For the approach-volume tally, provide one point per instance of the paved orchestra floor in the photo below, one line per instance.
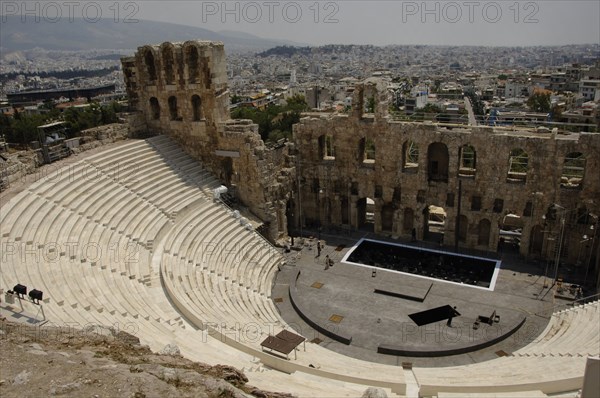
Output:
(343, 299)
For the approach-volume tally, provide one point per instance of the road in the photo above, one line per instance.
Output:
(469, 108)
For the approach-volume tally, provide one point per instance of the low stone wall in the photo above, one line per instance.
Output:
(14, 166)
(101, 135)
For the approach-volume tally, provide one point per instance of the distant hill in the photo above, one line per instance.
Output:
(285, 51)
(106, 34)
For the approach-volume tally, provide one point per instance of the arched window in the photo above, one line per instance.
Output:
(483, 238)
(150, 66)
(154, 108)
(366, 150)
(410, 156)
(518, 164)
(468, 161)
(387, 217)
(196, 108)
(192, 59)
(173, 108)
(409, 220)
(326, 149)
(573, 170)
(437, 162)
(536, 240)
(168, 62)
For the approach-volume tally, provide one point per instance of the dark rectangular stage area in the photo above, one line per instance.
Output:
(472, 271)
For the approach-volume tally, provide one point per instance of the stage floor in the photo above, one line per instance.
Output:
(343, 299)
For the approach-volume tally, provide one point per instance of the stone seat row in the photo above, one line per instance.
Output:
(205, 295)
(505, 374)
(60, 260)
(220, 246)
(199, 280)
(574, 331)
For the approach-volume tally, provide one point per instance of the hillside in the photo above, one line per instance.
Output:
(106, 34)
(102, 362)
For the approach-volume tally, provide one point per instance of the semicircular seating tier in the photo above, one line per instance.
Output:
(130, 238)
(96, 235)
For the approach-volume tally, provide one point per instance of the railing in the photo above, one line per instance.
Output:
(462, 120)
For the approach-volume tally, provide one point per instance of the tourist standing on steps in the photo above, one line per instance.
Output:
(318, 248)
(327, 262)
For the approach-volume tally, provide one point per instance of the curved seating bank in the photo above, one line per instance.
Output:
(131, 238)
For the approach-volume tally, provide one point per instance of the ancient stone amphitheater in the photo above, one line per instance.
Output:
(132, 238)
(157, 257)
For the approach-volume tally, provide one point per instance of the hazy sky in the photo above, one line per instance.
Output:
(461, 22)
(467, 22)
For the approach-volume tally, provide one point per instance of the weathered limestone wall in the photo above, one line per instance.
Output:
(20, 164)
(180, 89)
(336, 162)
(333, 188)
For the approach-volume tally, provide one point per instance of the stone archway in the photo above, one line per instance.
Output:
(387, 217)
(483, 233)
(509, 234)
(434, 223)
(536, 240)
(345, 209)
(437, 162)
(365, 214)
(408, 220)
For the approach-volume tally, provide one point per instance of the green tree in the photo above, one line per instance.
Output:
(274, 122)
(539, 102)
(431, 108)
(24, 128)
(476, 102)
(297, 103)
(370, 108)
(235, 99)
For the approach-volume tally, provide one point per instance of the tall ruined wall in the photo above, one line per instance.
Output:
(180, 89)
(336, 162)
(344, 159)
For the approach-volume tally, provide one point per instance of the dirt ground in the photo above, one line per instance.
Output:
(38, 362)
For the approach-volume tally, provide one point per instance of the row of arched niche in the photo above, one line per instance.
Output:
(194, 68)
(438, 159)
(172, 106)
